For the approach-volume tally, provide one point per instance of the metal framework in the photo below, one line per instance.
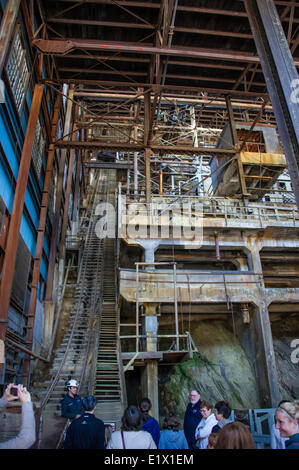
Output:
(155, 84)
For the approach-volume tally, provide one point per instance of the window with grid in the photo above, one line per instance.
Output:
(17, 70)
(38, 148)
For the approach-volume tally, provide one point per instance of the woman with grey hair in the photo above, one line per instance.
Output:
(287, 421)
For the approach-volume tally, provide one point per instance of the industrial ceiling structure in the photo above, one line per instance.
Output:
(181, 98)
(166, 76)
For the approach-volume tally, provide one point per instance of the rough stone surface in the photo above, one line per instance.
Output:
(221, 371)
(284, 332)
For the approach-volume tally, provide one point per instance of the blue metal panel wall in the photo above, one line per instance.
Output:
(9, 166)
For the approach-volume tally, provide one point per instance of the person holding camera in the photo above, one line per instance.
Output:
(27, 434)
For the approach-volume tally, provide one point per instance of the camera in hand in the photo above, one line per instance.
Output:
(14, 391)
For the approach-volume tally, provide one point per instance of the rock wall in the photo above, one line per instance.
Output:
(284, 331)
(221, 371)
(225, 367)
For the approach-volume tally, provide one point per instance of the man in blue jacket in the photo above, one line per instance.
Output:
(192, 418)
(71, 405)
(86, 432)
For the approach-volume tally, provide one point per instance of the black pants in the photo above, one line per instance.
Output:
(192, 445)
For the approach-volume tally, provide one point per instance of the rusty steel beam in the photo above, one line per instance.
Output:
(40, 240)
(117, 58)
(7, 27)
(111, 165)
(117, 24)
(109, 58)
(209, 32)
(25, 350)
(183, 76)
(17, 210)
(276, 58)
(147, 155)
(140, 147)
(185, 87)
(103, 71)
(191, 9)
(64, 46)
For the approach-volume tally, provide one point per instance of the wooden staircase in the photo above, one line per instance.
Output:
(109, 386)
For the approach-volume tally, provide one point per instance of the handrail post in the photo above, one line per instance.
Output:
(137, 307)
(176, 308)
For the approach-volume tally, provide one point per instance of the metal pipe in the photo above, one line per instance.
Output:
(217, 246)
(21, 348)
(176, 308)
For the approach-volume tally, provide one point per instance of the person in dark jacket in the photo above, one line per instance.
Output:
(71, 405)
(192, 418)
(149, 423)
(86, 432)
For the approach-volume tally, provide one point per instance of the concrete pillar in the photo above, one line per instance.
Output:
(149, 383)
(262, 334)
(149, 247)
(265, 358)
(242, 264)
(149, 386)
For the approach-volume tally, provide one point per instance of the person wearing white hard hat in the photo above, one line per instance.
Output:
(71, 405)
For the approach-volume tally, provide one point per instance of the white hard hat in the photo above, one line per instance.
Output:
(72, 383)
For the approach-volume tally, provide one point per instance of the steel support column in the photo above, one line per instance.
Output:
(40, 239)
(150, 373)
(17, 210)
(148, 177)
(48, 323)
(67, 193)
(280, 74)
(7, 27)
(135, 165)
